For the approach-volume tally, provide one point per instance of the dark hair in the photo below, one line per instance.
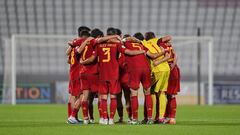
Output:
(83, 28)
(111, 31)
(84, 33)
(96, 33)
(149, 35)
(139, 36)
(118, 32)
(126, 35)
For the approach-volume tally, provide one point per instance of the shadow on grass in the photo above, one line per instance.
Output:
(31, 124)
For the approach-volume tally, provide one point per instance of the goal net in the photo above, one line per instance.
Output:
(38, 59)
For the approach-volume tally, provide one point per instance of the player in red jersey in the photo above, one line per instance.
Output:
(73, 61)
(173, 82)
(107, 51)
(89, 73)
(82, 94)
(123, 79)
(139, 72)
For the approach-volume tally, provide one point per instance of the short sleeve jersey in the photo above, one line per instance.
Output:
(108, 54)
(137, 61)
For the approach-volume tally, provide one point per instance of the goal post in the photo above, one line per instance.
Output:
(42, 57)
(193, 40)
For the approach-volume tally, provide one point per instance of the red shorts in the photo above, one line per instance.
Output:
(174, 81)
(89, 82)
(112, 87)
(124, 80)
(74, 87)
(140, 75)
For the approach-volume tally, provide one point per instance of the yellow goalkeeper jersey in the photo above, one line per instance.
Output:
(153, 47)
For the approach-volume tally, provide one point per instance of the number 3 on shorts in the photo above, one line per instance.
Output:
(106, 52)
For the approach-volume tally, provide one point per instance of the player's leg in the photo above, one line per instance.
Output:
(146, 82)
(172, 109)
(127, 96)
(114, 89)
(161, 88)
(72, 119)
(85, 106)
(100, 109)
(134, 105)
(90, 106)
(120, 107)
(104, 109)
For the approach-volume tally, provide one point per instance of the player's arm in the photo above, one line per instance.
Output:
(88, 60)
(85, 43)
(166, 38)
(131, 39)
(165, 58)
(68, 51)
(155, 55)
(103, 39)
(174, 62)
(133, 52)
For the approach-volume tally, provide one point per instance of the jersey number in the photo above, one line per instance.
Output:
(72, 57)
(135, 45)
(106, 52)
(84, 53)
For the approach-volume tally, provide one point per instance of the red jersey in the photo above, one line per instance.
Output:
(78, 41)
(108, 60)
(171, 51)
(74, 64)
(91, 68)
(137, 61)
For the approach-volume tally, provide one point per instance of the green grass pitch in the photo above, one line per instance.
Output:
(51, 120)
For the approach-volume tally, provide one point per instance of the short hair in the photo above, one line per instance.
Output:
(118, 32)
(126, 35)
(96, 33)
(111, 31)
(139, 36)
(82, 28)
(149, 35)
(84, 33)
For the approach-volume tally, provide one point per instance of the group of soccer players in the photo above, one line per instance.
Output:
(114, 65)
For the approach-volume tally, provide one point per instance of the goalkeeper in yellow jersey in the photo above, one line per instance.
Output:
(160, 71)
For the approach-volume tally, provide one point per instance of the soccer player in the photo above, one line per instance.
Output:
(160, 72)
(107, 51)
(173, 82)
(73, 58)
(82, 93)
(140, 72)
(89, 72)
(124, 79)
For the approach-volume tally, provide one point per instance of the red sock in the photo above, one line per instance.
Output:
(90, 110)
(113, 107)
(149, 105)
(167, 113)
(74, 112)
(129, 111)
(134, 101)
(100, 109)
(69, 109)
(173, 107)
(85, 109)
(104, 108)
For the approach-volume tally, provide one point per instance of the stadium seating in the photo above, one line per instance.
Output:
(219, 19)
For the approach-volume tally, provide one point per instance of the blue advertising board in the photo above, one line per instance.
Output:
(34, 93)
(225, 93)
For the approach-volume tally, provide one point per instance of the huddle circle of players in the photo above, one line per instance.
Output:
(102, 66)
